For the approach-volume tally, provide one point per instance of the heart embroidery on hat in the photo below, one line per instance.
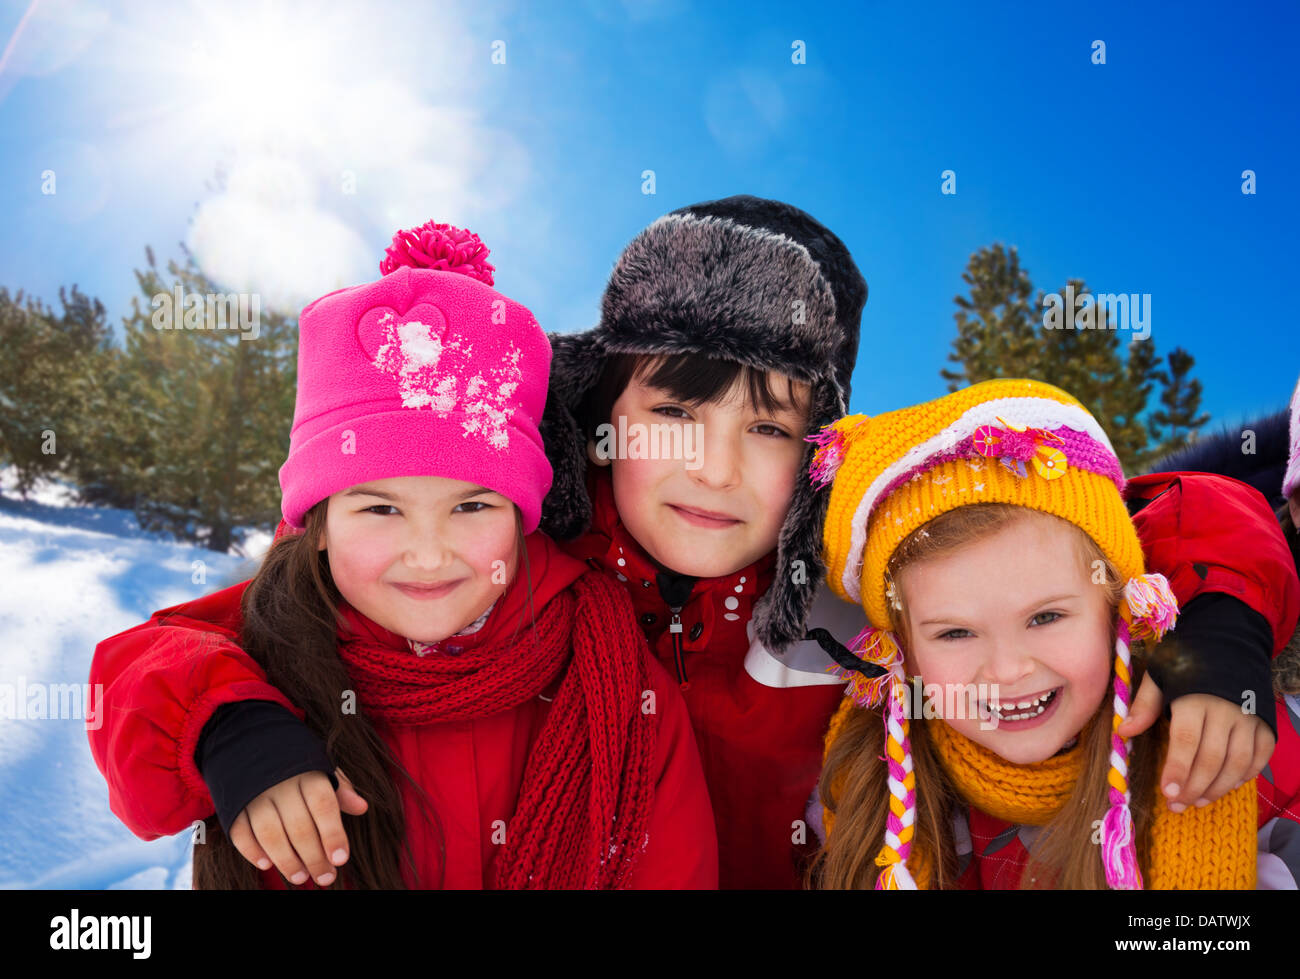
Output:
(433, 370)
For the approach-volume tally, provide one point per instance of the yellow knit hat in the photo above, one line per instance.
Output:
(1021, 442)
(894, 472)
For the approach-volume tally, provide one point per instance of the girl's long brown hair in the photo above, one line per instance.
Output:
(853, 782)
(290, 628)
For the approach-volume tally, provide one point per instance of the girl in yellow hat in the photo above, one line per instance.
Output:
(986, 538)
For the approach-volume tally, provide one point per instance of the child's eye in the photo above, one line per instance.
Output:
(380, 506)
(667, 409)
(952, 634)
(772, 431)
(1054, 617)
(475, 503)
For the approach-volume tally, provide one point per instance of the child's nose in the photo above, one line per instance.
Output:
(1007, 664)
(719, 467)
(428, 551)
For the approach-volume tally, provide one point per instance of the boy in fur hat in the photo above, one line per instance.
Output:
(739, 316)
(737, 319)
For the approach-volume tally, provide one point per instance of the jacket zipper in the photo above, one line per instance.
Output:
(675, 590)
(675, 628)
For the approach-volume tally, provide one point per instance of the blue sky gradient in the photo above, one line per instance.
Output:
(1126, 174)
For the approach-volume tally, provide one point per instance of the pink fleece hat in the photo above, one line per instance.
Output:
(427, 372)
(1291, 482)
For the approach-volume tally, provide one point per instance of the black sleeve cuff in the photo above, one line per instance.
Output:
(1221, 646)
(248, 746)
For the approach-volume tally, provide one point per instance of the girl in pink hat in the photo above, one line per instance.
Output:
(486, 704)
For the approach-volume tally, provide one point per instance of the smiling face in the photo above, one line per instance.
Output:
(1018, 612)
(721, 509)
(421, 556)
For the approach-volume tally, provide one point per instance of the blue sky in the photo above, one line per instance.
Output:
(1126, 174)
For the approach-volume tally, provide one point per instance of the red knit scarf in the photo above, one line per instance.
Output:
(584, 803)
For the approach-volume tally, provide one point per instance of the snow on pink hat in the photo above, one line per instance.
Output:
(427, 372)
(1291, 482)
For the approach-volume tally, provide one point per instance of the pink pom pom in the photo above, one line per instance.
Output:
(442, 247)
(1151, 605)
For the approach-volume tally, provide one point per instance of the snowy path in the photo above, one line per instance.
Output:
(72, 576)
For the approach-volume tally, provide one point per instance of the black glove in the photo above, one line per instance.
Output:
(1221, 646)
(248, 746)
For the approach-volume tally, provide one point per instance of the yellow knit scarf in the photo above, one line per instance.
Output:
(1207, 848)
(1213, 847)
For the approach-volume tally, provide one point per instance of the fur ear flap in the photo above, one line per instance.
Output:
(566, 510)
(577, 360)
(781, 616)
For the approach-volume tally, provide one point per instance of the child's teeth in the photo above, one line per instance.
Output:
(1032, 708)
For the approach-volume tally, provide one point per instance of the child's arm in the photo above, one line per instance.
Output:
(161, 683)
(1218, 543)
(682, 853)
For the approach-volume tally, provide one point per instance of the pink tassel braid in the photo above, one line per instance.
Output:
(880, 647)
(1118, 843)
(1150, 605)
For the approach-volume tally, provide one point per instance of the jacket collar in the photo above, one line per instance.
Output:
(610, 546)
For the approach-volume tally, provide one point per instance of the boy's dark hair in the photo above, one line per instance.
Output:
(691, 380)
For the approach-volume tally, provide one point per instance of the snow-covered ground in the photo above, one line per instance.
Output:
(70, 576)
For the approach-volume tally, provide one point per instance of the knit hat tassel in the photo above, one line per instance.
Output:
(895, 877)
(1149, 611)
(1149, 606)
(900, 824)
(833, 443)
(880, 648)
(1118, 844)
(1118, 849)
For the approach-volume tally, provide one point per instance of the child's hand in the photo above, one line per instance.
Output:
(1213, 746)
(295, 823)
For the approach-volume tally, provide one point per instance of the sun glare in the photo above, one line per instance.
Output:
(268, 74)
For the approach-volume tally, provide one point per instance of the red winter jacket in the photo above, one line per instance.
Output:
(164, 679)
(1209, 533)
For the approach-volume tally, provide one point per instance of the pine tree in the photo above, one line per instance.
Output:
(194, 419)
(1174, 424)
(49, 361)
(995, 329)
(999, 336)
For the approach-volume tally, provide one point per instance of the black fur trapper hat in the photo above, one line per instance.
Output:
(744, 279)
